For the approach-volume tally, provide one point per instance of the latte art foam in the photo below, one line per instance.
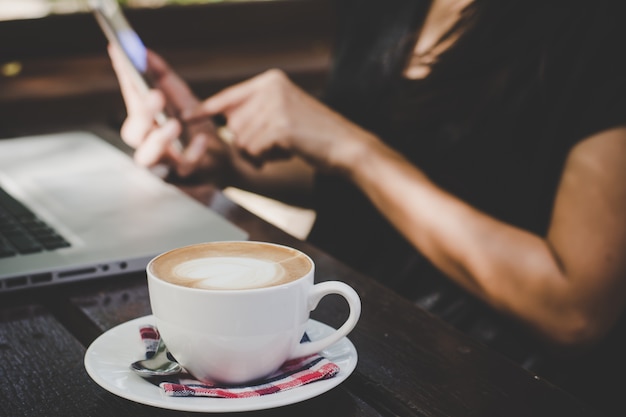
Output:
(231, 265)
(229, 273)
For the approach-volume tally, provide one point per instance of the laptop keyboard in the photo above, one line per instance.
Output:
(22, 232)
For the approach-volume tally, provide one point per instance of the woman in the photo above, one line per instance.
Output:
(469, 155)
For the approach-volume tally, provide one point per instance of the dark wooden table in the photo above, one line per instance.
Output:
(410, 363)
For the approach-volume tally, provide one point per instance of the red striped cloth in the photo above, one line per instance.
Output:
(150, 337)
(292, 374)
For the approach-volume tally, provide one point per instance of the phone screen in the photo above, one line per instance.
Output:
(118, 31)
(134, 48)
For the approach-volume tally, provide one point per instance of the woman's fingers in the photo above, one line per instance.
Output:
(156, 143)
(154, 137)
(193, 154)
(223, 102)
(178, 93)
(140, 122)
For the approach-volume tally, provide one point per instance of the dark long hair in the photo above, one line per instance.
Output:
(554, 38)
(540, 74)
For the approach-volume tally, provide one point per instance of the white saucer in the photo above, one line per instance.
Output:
(108, 358)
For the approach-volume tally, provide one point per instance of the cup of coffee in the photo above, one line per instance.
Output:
(234, 312)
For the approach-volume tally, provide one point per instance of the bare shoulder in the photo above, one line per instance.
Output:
(596, 166)
(588, 227)
(608, 145)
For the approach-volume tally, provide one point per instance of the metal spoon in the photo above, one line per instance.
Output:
(158, 365)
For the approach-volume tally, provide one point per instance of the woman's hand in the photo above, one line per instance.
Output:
(270, 118)
(203, 153)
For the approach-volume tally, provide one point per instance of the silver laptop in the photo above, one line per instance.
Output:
(74, 207)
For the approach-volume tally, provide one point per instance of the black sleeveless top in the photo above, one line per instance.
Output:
(492, 124)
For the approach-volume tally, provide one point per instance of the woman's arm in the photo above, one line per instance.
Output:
(570, 285)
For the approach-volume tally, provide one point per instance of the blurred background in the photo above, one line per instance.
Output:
(55, 73)
(30, 9)
(54, 69)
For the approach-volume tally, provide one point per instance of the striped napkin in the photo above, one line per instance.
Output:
(292, 374)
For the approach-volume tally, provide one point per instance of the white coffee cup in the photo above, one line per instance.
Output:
(234, 312)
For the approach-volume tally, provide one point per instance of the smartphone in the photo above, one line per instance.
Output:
(118, 31)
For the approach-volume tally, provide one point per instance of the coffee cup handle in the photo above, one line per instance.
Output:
(318, 292)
